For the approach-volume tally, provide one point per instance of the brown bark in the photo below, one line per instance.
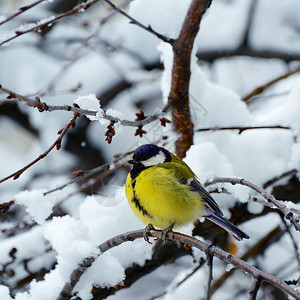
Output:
(179, 93)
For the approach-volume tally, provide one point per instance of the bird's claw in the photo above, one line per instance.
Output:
(165, 232)
(146, 232)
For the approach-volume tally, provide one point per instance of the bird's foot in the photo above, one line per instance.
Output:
(165, 232)
(146, 232)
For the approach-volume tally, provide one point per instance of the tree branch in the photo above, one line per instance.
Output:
(66, 292)
(178, 97)
(242, 128)
(257, 249)
(20, 11)
(136, 22)
(56, 144)
(263, 87)
(255, 288)
(209, 276)
(43, 106)
(270, 198)
(40, 25)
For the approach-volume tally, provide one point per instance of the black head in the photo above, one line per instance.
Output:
(149, 155)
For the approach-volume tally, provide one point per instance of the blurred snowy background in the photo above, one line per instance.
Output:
(241, 45)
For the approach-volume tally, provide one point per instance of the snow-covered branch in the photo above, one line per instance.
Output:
(43, 106)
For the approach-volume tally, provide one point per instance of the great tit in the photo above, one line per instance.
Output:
(164, 192)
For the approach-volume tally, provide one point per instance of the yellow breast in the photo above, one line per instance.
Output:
(156, 197)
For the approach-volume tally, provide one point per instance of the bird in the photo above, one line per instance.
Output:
(164, 192)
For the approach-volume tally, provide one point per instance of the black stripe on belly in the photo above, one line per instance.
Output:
(138, 205)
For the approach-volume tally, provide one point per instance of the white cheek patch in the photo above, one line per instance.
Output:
(154, 160)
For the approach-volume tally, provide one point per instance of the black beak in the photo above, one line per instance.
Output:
(131, 161)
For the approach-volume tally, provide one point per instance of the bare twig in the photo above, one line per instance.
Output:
(201, 263)
(178, 97)
(263, 87)
(80, 7)
(82, 175)
(74, 55)
(212, 55)
(270, 198)
(296, 248)
(136, 22)
(269, 204)
(89, 184)
(20, 11)
(209, 276)
(42, 106)
(258, 248)
(242, 128)
(255, 288)
(277, 178)
(56, 144)
(66, 292)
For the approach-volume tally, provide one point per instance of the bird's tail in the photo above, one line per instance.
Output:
(225, 224)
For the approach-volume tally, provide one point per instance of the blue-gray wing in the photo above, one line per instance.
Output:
(211, 203)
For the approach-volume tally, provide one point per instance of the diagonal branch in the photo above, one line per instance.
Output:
(136, 22)
(178, 97)
(20, 11)
(263, 87)
(56, 144)
(270, 198)
(40, 25)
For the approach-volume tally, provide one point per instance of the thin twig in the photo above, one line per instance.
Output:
(20, 11)
(209, 276)
(256, 249)
(80, 7)
(74, 55)
(242, 128)
(56, 144)
(277, 178)
(82, 175)
(213, 55)
(255, 288)
(296, 248)
(263, 87)
(268, 204)
(89, 184)
(136, 22)
(66, 292)
(270, 198)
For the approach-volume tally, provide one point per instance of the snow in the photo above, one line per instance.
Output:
(117, 54)
(98, 275)
(157, 14)
(217, 28)
(91, 103)
(37, 205)
(4, 293)
(229, 267)
(276, 16)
